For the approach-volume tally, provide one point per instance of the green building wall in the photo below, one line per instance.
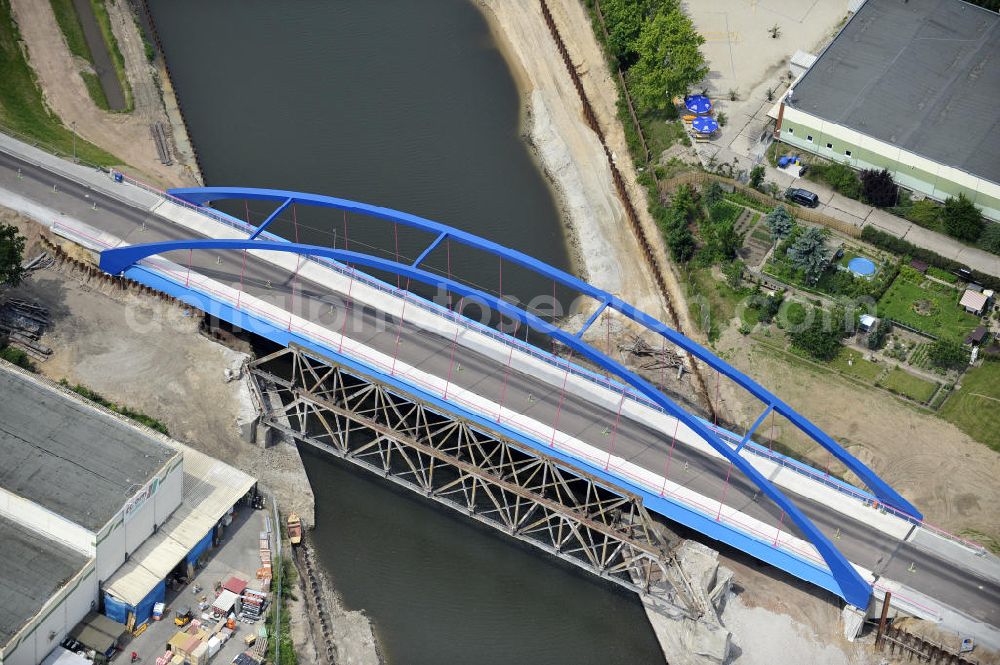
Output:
(797, 134)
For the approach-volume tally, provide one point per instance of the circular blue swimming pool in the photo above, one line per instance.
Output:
(859, 265)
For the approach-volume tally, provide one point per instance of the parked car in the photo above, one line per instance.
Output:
(802, 197)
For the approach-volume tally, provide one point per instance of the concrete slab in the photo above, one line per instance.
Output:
(238, 555)
(737, 44)
(742, 55)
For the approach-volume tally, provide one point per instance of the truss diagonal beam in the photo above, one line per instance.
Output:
(562, 510)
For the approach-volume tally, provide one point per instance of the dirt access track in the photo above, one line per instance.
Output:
(942, 470)
(125, 135)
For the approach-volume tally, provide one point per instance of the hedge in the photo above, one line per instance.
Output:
(891, 243)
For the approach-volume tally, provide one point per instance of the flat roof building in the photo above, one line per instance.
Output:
(91, 500)
(35, 570)
(912, 87)
(75, 461)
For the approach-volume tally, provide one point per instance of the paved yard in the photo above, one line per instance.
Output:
(238, 555)
(744, 57)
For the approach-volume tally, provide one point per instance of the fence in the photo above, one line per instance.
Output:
(652, 258)
(626, 93)
(700, 178)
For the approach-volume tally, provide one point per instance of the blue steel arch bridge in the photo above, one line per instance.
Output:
(631, 481)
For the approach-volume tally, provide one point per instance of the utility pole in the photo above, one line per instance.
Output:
(73, 125)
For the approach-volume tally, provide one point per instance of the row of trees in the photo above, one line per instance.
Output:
(657, 46)
(959, 217)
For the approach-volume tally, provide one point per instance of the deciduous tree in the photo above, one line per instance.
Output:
(820, 336)
(11, 255)
(670, 61)
(878, 188)
(876, 338)
(623, 20)
(962, 219)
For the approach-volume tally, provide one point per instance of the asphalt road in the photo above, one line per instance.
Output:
(923, 570)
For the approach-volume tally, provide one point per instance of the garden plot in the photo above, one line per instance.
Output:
(927, 306)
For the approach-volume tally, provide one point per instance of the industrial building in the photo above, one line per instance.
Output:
(911, 87)
(95, 513)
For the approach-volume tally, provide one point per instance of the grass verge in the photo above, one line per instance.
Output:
(137, 416)
(975, 408)
(992, 543)
(286, 650)
(69, 23)
(21, 106)
(852, 363)
(95, 89)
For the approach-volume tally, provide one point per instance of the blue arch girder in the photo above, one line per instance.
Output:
(878, 487)
(852, 587)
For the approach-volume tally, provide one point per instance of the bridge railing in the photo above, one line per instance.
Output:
(620, 389)
(775, 538)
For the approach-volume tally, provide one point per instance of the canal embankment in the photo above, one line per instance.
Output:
(608, 251)
(131, 138)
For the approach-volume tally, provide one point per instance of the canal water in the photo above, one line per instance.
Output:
(406, 104)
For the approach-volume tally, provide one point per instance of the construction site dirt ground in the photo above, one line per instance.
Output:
(141, 353)
(947, 474)
(148, 356)
(125, 135)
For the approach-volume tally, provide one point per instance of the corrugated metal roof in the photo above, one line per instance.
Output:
(211, 487)
(973, 300)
